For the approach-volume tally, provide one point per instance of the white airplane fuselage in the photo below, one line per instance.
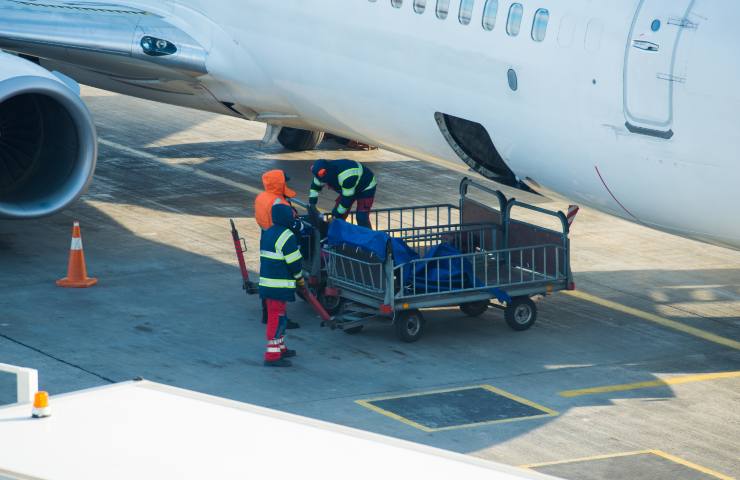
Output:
(610, 110)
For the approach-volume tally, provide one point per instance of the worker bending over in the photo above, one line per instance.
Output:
(353, 182)
(280, 272)
(276, 192)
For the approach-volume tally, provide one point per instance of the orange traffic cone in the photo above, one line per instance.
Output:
(76, 270)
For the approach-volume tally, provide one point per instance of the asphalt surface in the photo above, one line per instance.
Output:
(656, 315)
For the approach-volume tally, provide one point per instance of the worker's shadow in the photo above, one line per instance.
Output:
(170, 315)
(170, 310)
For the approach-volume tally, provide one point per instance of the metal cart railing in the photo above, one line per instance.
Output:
(497, 261)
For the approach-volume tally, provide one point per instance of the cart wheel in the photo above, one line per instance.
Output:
(409, 325)
(354, 330)
(331, 304)
(521, 313)
(475, 309)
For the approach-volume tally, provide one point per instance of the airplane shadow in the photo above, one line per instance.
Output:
(177, 317)
(169, 306)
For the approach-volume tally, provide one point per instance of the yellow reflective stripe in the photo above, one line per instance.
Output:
(282, 239)
(317, 182)
(341, 210)
(271, 255)
(373, 183)
(293, 257)
(350, 172)
(313, 193)
(276, 283)
(298, 275)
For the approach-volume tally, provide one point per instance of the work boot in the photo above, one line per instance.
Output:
(288, 353)
(281, 362)
(292, 325)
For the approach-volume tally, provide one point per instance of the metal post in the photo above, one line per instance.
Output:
(27, 383)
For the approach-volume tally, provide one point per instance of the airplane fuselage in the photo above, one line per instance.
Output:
(629, 107)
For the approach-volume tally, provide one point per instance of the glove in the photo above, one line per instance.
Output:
(300, 283)
(297, 227)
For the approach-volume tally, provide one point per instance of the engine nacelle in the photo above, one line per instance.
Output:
(48, 144)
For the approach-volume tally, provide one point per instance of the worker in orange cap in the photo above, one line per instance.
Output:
(276, 192)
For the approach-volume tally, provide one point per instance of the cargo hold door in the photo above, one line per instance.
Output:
(649, 75)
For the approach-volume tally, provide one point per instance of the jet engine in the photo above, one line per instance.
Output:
(48, 144)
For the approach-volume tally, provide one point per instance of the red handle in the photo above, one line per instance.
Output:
(315, 304)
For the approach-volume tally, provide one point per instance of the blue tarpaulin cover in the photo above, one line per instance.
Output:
(449, 275)
(430, 277)
(343, 233)
(445, 275)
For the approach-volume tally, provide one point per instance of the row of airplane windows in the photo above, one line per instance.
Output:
(490, 12)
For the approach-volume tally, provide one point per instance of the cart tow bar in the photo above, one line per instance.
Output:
(241, 246)
(326, 319)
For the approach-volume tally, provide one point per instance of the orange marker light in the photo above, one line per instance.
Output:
(41, 407)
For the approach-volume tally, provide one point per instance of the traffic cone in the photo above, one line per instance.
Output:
(76, 270)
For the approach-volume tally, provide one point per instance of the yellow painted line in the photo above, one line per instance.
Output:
(367, 403)
(727, 342)
(692, 465)
(587, 459)
(650, 384)
(658, 453)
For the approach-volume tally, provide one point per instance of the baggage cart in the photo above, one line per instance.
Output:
(474, 255)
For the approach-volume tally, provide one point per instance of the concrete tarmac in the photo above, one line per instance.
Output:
(655, 320)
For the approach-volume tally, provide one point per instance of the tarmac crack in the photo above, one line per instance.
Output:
(60, 360)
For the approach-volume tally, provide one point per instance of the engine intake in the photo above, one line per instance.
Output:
(48, 147)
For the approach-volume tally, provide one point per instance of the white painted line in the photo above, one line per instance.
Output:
(181, 167)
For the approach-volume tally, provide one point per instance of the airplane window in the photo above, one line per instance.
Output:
(443, 7)
(420, 6)
(567, 31)
(489, 15)
(539, 27)
(466, 11)
(514, 23)
(397, 3)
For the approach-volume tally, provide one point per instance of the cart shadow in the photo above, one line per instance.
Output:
(173, 316)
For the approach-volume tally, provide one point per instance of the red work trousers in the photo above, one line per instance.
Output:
(277, 320)
(364, 205)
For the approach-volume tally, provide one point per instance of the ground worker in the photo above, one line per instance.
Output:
(280, 273)
(352, 180)
(276, 192)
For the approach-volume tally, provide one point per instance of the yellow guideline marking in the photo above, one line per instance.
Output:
(686, 463)
(649, 384)
(547, 412)
(658, 453)
(656, 319)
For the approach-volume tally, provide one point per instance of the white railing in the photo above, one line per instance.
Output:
(27, 381)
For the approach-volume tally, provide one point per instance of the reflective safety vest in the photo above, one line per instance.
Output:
(346, 177)
(280, 263)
